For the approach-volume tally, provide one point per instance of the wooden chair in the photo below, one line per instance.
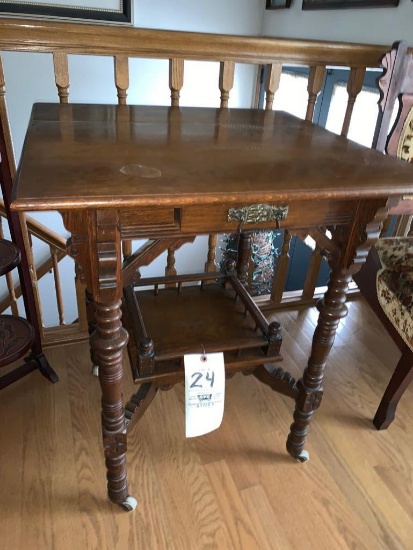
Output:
(17, 335)
(386, 279)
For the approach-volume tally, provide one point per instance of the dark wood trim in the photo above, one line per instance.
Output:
(123, 15)
(348, 4)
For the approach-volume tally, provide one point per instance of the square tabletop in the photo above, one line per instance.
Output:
(97, 156)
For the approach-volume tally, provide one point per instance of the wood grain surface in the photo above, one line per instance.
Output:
(233, 488)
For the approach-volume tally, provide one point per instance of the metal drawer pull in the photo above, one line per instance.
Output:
(256, 213)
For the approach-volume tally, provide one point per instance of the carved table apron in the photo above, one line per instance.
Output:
(120, 172)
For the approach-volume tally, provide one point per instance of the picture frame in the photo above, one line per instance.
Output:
(277, 4)
(347, 4)
(102, 11)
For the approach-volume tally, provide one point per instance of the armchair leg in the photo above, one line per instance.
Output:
(401, 378)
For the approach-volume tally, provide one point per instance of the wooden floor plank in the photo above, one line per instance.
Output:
(235, 487)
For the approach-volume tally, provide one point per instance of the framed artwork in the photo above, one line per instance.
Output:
(340, 4)
(102, 11)
(277, 4)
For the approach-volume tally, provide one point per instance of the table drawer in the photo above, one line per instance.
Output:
(149, 220)
(214, 218)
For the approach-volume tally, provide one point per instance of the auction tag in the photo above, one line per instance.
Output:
(204, 392)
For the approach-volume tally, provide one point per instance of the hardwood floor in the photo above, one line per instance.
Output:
(235, 488)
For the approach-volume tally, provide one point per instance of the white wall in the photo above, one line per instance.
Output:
(366, 26)
(29, 78)
(220, 16)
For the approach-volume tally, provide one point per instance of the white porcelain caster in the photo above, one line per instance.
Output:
(304, 456)
(95, 370)
(129, 504)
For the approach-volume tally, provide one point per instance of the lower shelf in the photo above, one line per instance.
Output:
(194, 319)
(16, 338)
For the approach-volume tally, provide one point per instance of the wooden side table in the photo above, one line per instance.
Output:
(132, 172)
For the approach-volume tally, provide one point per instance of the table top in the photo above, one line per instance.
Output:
(98, 156)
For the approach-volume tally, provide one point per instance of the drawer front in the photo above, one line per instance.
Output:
(301, 214)
(149, 221)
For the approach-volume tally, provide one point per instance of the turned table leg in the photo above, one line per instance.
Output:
(332, 308)
(107, 343)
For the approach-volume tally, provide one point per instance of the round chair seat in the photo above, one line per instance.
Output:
(16, 338)
(9, 256)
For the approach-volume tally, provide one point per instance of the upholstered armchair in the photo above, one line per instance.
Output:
(386, 280)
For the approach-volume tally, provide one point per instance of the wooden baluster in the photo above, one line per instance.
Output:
(57, 284)
(312, 273)
(409, 230)
(121, 77)
(272, 83)
(354, 86)
(33, 273)
(176, 79)
(210, 265)
(315, 84)
(126, 249)
(226, 81)
(61, 75)
(402, 226)
(10, 282)
(281, 270)
(5, 121)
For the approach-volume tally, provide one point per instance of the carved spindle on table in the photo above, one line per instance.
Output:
(57, 284)
(80, 287)
(226, 81)
(354, 86)
(121, 78)
(244, 256)
(170, 262)
(170, 268)
(315, 85)
(281, 270)
(210, 264)
(61, 74)
(274, 338)
(176, 79)
(272, 83)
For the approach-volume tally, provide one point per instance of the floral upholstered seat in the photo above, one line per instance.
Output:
(395, 284)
